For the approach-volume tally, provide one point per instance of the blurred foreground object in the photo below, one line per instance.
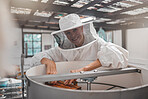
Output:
(10, 88)
(7, 39)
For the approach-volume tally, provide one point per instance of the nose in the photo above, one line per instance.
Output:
(73, 34)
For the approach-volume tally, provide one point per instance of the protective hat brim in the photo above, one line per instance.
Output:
(55, 32)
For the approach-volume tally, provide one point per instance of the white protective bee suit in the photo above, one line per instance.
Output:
(93, 48)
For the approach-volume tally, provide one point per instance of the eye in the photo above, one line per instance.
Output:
(67, 33)
(74, 30)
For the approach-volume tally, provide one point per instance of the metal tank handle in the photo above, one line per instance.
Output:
(87, 74)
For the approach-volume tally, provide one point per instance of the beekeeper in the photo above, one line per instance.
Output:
(80, 42)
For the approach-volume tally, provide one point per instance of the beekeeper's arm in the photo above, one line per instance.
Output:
(109, 55)
(48, 58)
(89, 67)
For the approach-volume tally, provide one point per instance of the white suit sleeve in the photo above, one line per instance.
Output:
(38, 57)
(52, 54)
(113, 56)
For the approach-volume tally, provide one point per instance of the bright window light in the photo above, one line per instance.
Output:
(43, 13)
(115, 22)
(44, 1)
(83, 20)
(106, 1)
(81, 3)
(136, 11)
(34, 0)
(102, 20)
(122, 4)
(135, 1)
(108, 9)
(58, 2)
(146, 17)
(20, 10)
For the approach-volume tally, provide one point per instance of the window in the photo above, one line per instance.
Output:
(34, 43)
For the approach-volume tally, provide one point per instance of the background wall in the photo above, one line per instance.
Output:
(117, 37)
(137, 45)
(17, 48)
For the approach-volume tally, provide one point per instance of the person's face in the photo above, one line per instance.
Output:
(75, 36)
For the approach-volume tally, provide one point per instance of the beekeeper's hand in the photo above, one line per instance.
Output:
(50, 67)
(89, 67)
(68, 82)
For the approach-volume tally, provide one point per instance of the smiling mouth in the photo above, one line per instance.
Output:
(75, 39)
